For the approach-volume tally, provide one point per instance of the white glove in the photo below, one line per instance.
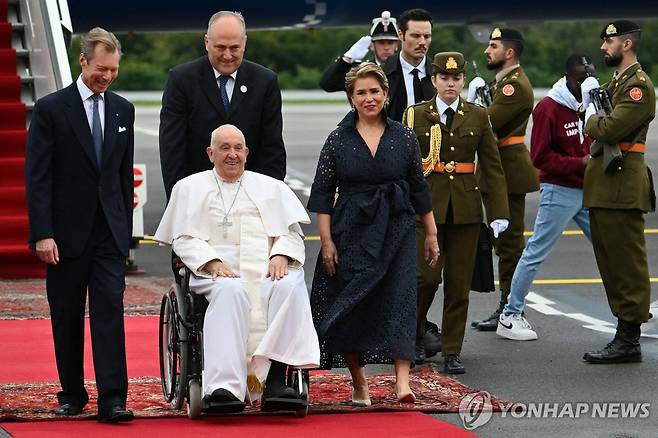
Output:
(476, 83)
(588, 85)
(589, 112)
(498, 226)
(359, 50)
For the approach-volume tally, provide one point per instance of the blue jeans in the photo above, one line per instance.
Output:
(557, 206)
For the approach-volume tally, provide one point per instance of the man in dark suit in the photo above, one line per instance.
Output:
(79, 183)
(215, 90)
(409, 71)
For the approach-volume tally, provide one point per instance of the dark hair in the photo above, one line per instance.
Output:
(515, 45)
(412, 15)
(635, 39)
(576, 60)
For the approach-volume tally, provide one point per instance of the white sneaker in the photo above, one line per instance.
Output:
(515, 327)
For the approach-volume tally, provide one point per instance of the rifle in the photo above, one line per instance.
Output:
(483, 93)
(612, 156)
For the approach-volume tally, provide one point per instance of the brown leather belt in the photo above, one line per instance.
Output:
(632, 147)
(509, 141)
(453, 167)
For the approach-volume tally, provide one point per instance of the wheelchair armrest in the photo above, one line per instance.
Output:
(181, 271)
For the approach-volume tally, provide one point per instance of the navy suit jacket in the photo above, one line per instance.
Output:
(64, 184)
(192, 109)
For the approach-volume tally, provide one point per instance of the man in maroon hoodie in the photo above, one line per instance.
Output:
(560, 151)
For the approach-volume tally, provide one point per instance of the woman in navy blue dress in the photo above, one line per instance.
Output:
(368, 191)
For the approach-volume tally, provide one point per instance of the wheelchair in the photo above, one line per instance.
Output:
(181, 351)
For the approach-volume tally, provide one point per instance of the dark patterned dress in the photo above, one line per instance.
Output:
(369, 307)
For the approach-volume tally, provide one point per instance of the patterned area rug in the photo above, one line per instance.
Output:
(26, 299)
(330, 393)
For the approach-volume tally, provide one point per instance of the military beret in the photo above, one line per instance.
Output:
(506, 34)
(384, 28)
(619, 27)
(448, 63)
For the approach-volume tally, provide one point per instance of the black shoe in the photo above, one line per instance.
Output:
(421, 355)
(491, 323)
(115, 414)
(624, 348)
(432, 340)
(452, 364)
(68, 409)
(223, 401)
(277, 395)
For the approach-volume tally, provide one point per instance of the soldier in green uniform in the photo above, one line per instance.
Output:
(450, 132)
(618, 198)
(511, 106)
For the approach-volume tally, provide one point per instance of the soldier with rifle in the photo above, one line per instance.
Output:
(600, 98)
(511, 105)
(618, 197)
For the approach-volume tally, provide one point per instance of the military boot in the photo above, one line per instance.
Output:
(490, 324)
(625, 346)
(432, 339)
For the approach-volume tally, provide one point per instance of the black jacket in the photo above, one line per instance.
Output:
(192, 109)
(65, 188)
(397, 94)
(333, 78)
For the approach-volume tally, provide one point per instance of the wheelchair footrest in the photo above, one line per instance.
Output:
(274, 404)
(229, 407)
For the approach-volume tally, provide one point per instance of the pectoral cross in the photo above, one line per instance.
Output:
(225, 224)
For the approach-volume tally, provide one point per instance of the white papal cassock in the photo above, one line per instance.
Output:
(250, 319)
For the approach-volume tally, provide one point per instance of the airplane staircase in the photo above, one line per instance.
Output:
(27, 71)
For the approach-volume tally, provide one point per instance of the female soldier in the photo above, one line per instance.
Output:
(450, 132)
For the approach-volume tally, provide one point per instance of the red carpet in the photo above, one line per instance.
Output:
(380, 425)
(16, 260)
(28, 387)
(141, 350)
(28, 392)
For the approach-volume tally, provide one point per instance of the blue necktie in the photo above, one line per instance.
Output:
(97, 130)
(222, 92)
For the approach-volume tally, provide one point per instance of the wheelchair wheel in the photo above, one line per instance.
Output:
(194, 401)
(173, 353)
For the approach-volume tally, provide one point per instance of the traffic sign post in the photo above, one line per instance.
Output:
(139, 200)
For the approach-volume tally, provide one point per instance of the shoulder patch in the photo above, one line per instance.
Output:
(508, 90)
(635, 93)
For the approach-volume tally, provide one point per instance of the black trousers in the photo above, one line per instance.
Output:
(100, 269)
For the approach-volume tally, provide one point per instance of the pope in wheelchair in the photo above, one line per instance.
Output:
(238, 234)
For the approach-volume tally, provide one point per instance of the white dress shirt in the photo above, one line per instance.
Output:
(230, 84)
(409, 77)
(441, 107)
(88, 103)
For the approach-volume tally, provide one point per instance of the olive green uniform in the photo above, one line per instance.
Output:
(457, 208)
(512, 103)
(618, 199)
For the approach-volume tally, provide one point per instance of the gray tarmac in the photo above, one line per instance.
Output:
(568, 308)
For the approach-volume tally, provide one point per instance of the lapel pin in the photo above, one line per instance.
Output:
(243, 88)
(460, 112)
